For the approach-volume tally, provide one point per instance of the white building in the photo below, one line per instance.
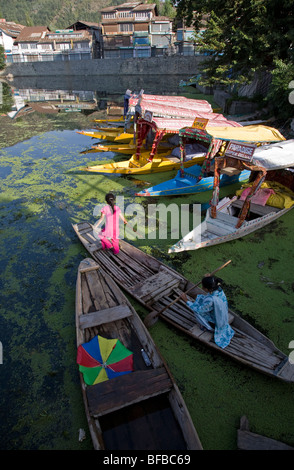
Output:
(39, 44)
(8, 33)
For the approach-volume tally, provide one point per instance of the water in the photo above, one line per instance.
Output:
(43, 192)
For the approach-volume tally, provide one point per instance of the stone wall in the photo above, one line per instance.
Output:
(184, 66)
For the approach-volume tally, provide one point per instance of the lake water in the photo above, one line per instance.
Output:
(43, 192)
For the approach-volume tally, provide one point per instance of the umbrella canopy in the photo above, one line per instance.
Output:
(101, 359)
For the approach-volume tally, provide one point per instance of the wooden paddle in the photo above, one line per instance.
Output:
(152, 317)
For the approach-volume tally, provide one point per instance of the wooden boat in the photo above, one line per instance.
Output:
(126, 149)
(248, 440)
(140, 163)
(124, 137)
(235, 217)
(139, 410)
(156, 285)
(200, 178)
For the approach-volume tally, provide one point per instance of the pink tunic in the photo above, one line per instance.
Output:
(111, 229)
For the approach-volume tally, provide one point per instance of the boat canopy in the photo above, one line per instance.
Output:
(174, 101)
(162, 126)
(258, 159)
(253, 133)
(216, 136)
(275, 156)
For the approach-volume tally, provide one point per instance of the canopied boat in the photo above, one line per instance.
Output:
(139, 163)
(268, 196)
(199, 178)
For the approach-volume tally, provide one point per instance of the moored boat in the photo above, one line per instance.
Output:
(156, 286)
(130, 404)
(140, 163)
(123, 137)
(198, 178)
(267, 197)
(248, 440)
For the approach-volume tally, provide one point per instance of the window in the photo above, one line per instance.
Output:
(142, 15)
(24, 46)
(126, 27)
(124, 14)
(108, 16)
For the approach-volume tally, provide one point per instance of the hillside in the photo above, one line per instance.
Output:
(53, 13)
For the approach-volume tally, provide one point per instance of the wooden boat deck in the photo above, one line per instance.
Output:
(155, 285)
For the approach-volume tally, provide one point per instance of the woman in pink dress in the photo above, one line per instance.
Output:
(109, 235)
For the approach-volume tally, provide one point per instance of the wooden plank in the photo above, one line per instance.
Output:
(91, 268)
(154, 284)
(107, 315)
(127, 389)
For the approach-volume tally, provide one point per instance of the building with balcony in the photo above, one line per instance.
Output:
(39, 44)
(134, 29)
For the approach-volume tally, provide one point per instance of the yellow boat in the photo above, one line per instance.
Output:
(121, 118)
(143, 165)
(127, 149)
(154, 162)
(124, 137)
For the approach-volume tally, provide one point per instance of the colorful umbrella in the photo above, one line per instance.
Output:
(101, 359)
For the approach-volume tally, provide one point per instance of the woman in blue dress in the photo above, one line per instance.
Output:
(212, 308)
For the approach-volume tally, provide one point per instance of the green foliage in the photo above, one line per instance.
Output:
(2, 58)
(242, 36)
(59, 14)
(6, 98)
(280, 89)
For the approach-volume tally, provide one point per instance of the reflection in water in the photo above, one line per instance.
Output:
(76, 94)
(103, 85)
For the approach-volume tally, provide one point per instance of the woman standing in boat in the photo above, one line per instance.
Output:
(109, 235)
(212, 308)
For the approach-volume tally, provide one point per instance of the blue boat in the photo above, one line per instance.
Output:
(199, 178)
(188, 182)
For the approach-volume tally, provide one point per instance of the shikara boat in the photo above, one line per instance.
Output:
(200, 178)
(126, 149)
(248, 440)
(123, 137)
(267, 197)
(156, 285)
(140, 163)
(129, 405)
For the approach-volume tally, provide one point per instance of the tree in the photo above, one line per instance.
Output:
(242, 36)
(2, 58)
